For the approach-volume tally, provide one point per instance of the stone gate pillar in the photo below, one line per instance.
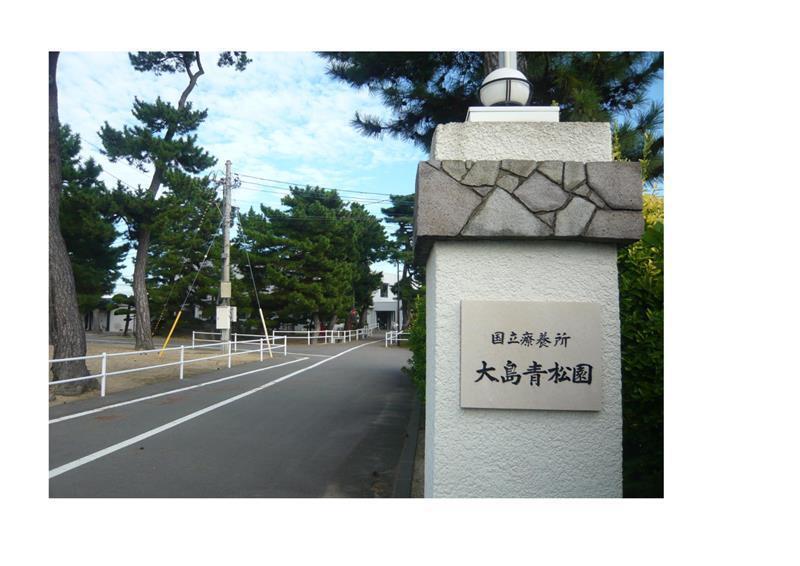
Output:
(518, 225)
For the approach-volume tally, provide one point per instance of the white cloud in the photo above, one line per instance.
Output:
(282, 118)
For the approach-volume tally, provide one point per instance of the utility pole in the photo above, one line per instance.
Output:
(225, 285)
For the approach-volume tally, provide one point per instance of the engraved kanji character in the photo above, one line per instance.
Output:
(535, 370)
(558, 374)
(511, 373)
(484, 372)
(582, 374)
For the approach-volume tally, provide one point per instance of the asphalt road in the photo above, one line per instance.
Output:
(326, 421)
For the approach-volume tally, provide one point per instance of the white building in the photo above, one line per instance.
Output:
(387, 308)
(102, 320)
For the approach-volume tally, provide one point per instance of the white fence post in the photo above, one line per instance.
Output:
(181, 366)
(193, 331)
(229, 354)
(261, 348)
(103, 379)
(235, 342)
(309, 338)
(285, 340)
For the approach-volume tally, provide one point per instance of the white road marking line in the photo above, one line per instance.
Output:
(123, 403)
(125, 443)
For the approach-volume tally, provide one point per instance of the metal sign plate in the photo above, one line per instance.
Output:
(531, 355)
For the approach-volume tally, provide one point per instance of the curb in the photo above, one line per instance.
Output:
(405, 466)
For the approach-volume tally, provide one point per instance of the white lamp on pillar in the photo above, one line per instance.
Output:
(506, 86)
(505, 94)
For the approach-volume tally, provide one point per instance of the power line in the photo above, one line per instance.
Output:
(272, 189)
(339, 190)
(314, 184)
(304, 218)
(103, 170)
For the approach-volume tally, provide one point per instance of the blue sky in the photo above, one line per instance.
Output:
(282, 118)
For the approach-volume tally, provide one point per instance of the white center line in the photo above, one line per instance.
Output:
(125, 443)
(170, 392)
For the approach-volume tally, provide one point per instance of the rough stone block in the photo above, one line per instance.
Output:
(508, 182)
(572, 220)
(519, 167)
(456, 169)
(619, 183)
(491, 202)
(553, 170)
(616, 225)
(547, 217)
(583, 191)
(443, 206)
(482, 173)
(600, 203)
(574, 174)
(540, 194)
(502, 215)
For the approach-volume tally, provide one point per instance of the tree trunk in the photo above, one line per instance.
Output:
(127, 320)
(142, 332)
(69, 339)
(52, 327)
(364, 313)
(522, 64)
(491, 61)
(317, 324)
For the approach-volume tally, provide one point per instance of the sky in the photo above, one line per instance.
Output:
(281, 119)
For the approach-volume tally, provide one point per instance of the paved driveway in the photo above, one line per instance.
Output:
(327, 420)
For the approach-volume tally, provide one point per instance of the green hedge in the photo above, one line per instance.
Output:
(416, 342)
(641, 291)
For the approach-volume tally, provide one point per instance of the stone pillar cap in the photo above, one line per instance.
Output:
(518, 199)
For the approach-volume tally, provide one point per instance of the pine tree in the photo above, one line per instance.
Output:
(411, 276)
(163, 141)
(306, 256)
(426, 89)
(311, 261)
(66, 328)
(87, 224)
(369, 245)
(183, 266)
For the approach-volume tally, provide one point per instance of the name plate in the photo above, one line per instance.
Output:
(531, 355)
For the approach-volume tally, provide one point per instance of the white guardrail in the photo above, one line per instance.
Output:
(393, 337)
(327, 336)
(232, 350)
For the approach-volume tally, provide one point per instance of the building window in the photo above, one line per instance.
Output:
(384, 290)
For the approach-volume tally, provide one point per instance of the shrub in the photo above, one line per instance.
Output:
(641, 290)
(416, 342)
